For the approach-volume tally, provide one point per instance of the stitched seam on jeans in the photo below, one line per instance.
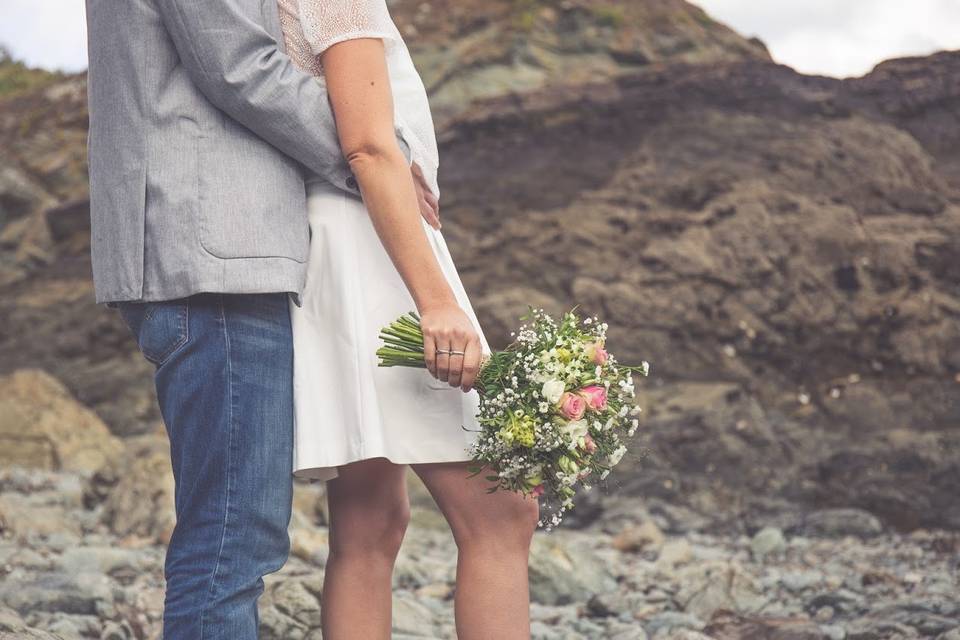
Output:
(183, 326)
(230, 434)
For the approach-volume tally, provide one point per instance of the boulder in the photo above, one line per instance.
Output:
(12, 627)
(639, 537)
(767, 541)
(562, 571)
(136, 490)
(43, 426)
(727, 625)
(841, 522)
(707, 587)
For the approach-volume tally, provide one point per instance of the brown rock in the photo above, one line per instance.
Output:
(727, 625)
(43, 426)
(137, 490)
(638, 537)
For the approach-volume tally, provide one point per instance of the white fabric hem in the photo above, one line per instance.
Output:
(331, 471)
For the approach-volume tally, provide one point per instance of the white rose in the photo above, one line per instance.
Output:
(616, 455)
(552, 390)
(576, 429)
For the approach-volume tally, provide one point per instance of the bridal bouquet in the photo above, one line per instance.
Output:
(555, 405)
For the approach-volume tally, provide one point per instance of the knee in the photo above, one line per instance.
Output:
(509, 528)
(377, 533)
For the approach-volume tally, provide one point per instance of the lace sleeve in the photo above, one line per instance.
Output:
(327, 22)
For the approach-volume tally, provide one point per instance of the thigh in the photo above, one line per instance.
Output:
(470, 509)
(226, 395)
(366, 497)
(226, 399)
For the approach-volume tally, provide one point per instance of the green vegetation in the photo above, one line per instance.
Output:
(609, 15)
(16, 77)
(525, 13)
(702, 17)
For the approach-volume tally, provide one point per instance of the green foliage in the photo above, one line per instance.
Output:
(609, 15)
(525, 14)
(16, 77)
(702, 17)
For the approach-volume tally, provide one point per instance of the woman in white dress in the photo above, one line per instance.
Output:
(371, 260)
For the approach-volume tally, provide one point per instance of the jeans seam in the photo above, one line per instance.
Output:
(229, 471)
(183, 321)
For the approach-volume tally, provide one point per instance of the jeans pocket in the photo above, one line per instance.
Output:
(160, 328)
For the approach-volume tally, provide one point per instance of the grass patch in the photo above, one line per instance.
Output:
(609, 15)
(16, 77)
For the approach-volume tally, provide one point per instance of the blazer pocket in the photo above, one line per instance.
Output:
(252, 200)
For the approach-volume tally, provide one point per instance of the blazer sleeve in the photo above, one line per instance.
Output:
(237, 65)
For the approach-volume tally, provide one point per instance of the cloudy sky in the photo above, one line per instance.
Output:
(830, 37)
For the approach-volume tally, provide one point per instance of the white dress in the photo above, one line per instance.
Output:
(347, 408)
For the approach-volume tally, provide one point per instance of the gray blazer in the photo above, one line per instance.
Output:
(202, 133)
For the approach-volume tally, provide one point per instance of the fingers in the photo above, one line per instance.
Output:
(429, 353)
(434, 204)
(463, 365)
(429, 205)
(452, 347)
(471, 364)
(429, 213)
(443, 359)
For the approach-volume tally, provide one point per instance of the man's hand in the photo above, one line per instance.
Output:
(429, 206)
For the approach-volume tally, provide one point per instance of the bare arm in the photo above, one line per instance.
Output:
(359, 89)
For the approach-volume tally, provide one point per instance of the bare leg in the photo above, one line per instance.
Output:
(493, 533)
(369, 511)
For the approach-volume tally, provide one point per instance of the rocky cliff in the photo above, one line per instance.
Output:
(782, 248)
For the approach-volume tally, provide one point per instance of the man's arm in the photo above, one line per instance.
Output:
(236, 64)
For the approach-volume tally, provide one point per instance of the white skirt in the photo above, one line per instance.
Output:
(346, 407)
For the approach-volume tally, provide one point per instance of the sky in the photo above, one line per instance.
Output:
(829, 37)
(842, 37)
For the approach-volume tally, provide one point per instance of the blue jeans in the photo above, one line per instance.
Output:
(224, 365)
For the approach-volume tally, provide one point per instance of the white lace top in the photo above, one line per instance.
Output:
(310, 26)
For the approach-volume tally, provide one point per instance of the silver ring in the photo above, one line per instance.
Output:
(456, 353)
(441, 351)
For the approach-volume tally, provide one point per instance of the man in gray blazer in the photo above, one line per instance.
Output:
(201, 130)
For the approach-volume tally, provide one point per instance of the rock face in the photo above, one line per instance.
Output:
(745, 224)
(469, 51)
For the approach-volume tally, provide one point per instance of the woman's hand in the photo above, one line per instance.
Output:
(448, 328)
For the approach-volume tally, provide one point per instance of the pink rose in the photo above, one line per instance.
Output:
(600, 355)
(537, 491)
(572, 405)
(596, 397)
(596, 352)
(588, 444)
